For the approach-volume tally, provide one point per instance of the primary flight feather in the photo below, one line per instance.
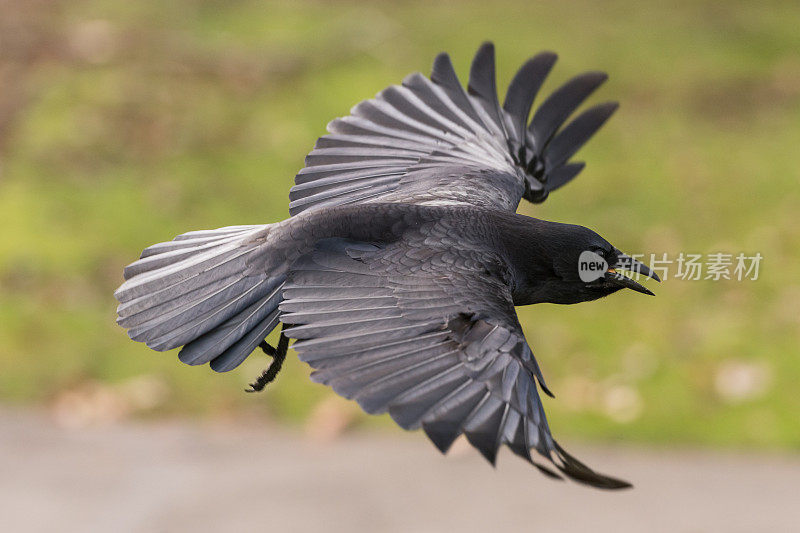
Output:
(400, 267)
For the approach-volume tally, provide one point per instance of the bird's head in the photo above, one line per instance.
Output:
(574, 264)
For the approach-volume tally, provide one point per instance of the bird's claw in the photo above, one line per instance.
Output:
(278, 355)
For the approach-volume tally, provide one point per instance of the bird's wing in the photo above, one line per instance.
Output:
(430, 141)
(429, 335)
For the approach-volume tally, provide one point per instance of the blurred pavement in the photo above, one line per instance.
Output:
(177, 476)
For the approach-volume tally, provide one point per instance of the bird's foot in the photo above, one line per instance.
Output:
(278, 355)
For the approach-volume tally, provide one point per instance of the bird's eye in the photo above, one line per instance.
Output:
(608, 255)
(599, 251)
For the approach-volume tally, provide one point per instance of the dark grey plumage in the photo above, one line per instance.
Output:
(398, 273)
(394, 147)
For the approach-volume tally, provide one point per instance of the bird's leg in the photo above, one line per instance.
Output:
(278, 355)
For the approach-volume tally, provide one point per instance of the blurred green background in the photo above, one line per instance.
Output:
(125, 123)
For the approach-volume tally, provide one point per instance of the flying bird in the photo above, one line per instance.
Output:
(399, 269)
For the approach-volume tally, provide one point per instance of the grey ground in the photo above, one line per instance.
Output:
(175, 476)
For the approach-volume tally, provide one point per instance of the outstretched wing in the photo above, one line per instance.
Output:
(429, 335)
(429, 141)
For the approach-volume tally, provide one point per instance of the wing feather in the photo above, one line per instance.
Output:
(561, 104)
(437, 347)
(430, 141)
(522, 92)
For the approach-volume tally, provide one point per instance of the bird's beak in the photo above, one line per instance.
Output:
(626, 262)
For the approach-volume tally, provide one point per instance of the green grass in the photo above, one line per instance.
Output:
(170, 116)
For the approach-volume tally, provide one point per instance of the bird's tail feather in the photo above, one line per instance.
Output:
(200, 291)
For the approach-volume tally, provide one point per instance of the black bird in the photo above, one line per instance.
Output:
(400, 267)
